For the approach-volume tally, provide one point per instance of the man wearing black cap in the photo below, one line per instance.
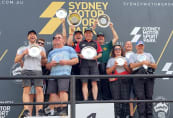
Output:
(106, 47)
(32, 67)
(89, 67)
(78, 36)
(143, 63)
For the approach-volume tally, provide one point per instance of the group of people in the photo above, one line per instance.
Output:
(66, 58)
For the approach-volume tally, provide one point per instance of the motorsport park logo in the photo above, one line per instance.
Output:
(147, 34)
(4, 110)
(161, 109)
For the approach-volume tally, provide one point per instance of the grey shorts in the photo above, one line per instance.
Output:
(35, 82)
(33, 91)
(55, 86)
(89, 70)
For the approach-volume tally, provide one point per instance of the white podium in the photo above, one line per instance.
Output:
(99, 110)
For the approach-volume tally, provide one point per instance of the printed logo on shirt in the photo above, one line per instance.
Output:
(104, 49)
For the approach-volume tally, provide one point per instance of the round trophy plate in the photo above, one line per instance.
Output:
(141, 58)
(61, 13)
(128, 54)
(74, 19)
(56, 58)
(89, 52)
(120, 61)
(34, 51)
(103, 21)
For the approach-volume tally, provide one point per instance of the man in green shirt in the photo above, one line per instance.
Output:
(102, 61)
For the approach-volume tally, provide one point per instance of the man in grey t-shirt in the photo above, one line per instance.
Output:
(140, 62)
(32, 67)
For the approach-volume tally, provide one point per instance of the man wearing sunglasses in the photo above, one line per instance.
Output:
(41, 42)
(60, 61)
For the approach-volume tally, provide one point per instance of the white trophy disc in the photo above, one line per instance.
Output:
(120, 60)
(34, 51)
(89, 52)
(61, 13)
(103, 21)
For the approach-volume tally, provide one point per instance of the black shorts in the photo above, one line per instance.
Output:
(89, 70)
(29, 82)
(55, 86)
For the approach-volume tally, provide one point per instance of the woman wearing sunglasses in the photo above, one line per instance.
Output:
(118, 65)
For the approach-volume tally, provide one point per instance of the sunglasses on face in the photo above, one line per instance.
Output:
(40, 43)
(117, 49)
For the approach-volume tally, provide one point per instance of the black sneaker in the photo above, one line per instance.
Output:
(57, 111)
(51, 113)
(25, 113)
(64, 111)
(47, 110)
(40, 112)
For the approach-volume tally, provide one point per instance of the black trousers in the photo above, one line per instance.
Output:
(120, 91)
(104, 83)
(144, 91)
(76, 71)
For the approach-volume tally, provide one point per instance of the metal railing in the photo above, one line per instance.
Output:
(73, 78)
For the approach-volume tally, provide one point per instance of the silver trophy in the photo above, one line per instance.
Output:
(141, 58)
(56, 58)
(89, 52)
(103, 21)
(74, 19)
(34, 51)
(61, 13)
(120, 60)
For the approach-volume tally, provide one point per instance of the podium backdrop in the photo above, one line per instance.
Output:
(147, 20)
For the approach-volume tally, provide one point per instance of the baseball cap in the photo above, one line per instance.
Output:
(100, 34)
(78, 31)
(139, 43)
(88, 29)
(32, 31)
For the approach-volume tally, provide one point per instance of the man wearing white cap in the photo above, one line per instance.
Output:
(143, 63)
